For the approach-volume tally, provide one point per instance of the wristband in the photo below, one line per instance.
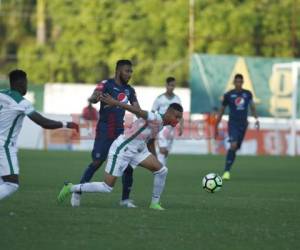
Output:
(64, 124)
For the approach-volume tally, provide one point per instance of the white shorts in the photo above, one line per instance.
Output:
(166, 137)
(8, 161)
(120, 157)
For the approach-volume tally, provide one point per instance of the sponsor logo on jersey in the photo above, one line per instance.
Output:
(122, 98)
(239, 102)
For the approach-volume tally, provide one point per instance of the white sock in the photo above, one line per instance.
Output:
(92, 187)
(161, 158)
(7, 189)
(159, 183)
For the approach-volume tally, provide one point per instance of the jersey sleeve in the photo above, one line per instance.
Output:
(26, 107)
(178, 100)
(154, 117)
(225, 100)
(101, 86)
(132, 96)
(155, 105)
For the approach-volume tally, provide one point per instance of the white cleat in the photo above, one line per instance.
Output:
(75, 199)
(127, 203)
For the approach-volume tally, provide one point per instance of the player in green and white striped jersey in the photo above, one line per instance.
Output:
(13, 108)
(131, 148)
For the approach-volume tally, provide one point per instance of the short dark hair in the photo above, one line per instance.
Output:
(170, 79)
(176, 106)
(123, 62)
(17, 76)
(238, 76)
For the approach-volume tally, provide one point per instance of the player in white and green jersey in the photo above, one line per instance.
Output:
(131, 148)
(166, 135)
(13, 108)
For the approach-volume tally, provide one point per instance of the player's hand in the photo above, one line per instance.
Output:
(109, 100)
(257, 124)
(180, 131)
(73, 125)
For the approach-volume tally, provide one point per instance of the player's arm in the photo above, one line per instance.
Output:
(95, 97)
(51, 124)
(133, 109)
(151, 146)
(219, 119)
(133, 99)
(155, 106)
(181, 125)
(254, 114)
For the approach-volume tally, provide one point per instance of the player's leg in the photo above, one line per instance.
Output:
(93, 187)
(160, 174)
(9, 171)
(236, 134)
(9, 184)
(162, 155)
(89, 187)
(99, 155)
(127, 181)
(114, 168)
(163, 145)
(231, 152)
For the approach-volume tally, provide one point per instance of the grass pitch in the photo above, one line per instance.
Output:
(258, 209)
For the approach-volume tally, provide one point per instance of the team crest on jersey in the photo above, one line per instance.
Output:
(239, 102)
(122, 98)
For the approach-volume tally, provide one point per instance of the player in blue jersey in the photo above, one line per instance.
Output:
(110, 126)
(238, 100)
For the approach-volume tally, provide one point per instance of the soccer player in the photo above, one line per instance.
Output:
(110, 126)
(238, 100)
(166, 135)
(130, 148)
(13, 108)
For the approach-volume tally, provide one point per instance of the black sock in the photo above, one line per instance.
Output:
(127, 181)
(88, 173)
(229, 159)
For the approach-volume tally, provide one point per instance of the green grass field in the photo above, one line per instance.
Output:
(258, 209)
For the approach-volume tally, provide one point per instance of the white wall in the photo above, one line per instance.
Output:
(71, 98)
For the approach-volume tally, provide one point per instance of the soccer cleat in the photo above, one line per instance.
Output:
(156, 206)
(75, 199)
(226, 176)
(127, 203)
(64, 192)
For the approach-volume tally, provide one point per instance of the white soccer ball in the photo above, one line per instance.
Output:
(212, 182)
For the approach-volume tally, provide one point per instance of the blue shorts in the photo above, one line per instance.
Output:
(104, 138)
(237, 133)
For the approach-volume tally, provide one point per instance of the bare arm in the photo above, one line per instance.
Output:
(50, 124)
(135, 109)
(94, 98)
(151, 146)
(181, 125)
(253, 112)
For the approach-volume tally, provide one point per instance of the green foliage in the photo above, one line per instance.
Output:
(85, 38)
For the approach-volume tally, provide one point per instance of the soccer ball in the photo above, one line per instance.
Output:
(212, 182)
